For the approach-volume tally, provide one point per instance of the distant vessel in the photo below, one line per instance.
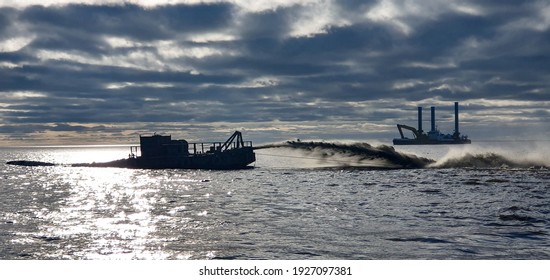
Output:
(434, 136)
(161, 152)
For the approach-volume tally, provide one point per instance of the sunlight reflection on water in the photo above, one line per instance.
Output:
(110, 206)
(271, 212)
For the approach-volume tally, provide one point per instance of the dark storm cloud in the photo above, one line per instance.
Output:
(5, 20)
(325, 61)
(128, 20)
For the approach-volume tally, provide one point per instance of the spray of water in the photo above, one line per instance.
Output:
(525, 155)
(486, 160)
(357, 154)
(383, 156)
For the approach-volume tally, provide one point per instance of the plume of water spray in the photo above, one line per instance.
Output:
(358, 154)
(493, 157)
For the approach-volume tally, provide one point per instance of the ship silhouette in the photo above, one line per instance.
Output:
(434, 136)
(162, 152)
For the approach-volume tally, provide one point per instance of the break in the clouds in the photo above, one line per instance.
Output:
(82, 70)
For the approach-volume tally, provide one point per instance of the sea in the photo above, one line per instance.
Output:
(300, 201)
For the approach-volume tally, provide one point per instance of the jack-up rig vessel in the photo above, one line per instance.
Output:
(434, 136)
(161, 152)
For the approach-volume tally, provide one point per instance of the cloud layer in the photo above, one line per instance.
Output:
(318, 69)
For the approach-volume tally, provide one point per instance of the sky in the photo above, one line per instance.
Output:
(103, 72)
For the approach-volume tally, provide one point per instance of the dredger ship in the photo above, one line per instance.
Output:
(162, 152)
(434, 136)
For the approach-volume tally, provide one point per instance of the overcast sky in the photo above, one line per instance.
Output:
(103, 72)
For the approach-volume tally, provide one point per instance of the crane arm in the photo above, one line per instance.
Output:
(237, 137)
(400, 127)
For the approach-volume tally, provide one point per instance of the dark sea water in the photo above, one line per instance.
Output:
(475, 202)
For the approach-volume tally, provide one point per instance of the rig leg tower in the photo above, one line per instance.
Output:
(433, 118)
(457, 132)
(420, 120)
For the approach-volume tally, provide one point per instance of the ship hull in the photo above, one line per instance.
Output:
(227, 160)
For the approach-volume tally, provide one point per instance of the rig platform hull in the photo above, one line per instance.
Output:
(399, 141)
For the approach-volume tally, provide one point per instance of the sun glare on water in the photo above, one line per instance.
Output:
(111, 206)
